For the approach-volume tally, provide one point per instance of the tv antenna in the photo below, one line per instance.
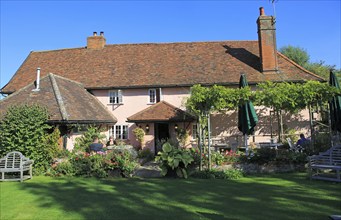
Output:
(274, 9)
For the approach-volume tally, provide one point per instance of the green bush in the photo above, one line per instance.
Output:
(139, 134)
(82, 143)
(123, 161)
(232, 156)
(218, 174)
(96, 164)
(174, 159)
(24, 129)
(64, 168)
(146, 154)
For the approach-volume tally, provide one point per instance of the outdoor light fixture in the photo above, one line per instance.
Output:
(147, 128)
(176, 127)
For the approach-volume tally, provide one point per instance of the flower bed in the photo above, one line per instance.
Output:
(99, 164)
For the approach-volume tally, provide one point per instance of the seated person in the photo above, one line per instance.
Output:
(111, 142)
(96, 145)
(302, 141)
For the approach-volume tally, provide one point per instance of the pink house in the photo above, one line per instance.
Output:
(145, 85)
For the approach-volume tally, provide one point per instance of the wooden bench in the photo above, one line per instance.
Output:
(15, 162)
(326, 161)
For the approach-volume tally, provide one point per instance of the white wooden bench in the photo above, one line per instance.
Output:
(326, 161)
(15, 162)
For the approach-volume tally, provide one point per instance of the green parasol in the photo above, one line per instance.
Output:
(247, 117)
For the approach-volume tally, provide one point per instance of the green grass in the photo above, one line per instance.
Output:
(280, 196)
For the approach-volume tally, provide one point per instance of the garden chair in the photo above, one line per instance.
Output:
(15, 162)
(293, 147)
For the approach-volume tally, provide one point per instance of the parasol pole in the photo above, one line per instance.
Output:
(245, 143)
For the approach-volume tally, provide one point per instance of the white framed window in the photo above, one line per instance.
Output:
(119, 132)
(194, 131)
(115, 97)
(154, 95)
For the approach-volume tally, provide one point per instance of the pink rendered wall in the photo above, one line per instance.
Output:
(135, 100)
(223, 126)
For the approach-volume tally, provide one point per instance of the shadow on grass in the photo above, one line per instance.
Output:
(259, 197)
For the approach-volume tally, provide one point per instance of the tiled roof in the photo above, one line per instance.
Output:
(66, 101)
(150, 65)
(161, 112)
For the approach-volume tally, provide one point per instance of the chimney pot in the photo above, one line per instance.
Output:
(261, 11)
(37, 81)
(96, 42)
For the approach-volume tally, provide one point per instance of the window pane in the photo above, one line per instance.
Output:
(152, 95)
(194, 131)
(115, 96)
(118, 132)
(125, 132)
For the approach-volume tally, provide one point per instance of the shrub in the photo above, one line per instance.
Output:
(139, 134)
(217, 158)
(96, 164)
(82, 143)
(175, 159)
(232, 156)
(182, 136)
(217, 174)
(146, 154)
(123, 161)
(24, 129)
(64, 168)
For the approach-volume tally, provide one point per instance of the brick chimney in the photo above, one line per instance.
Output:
(96, 42)
(267, 43)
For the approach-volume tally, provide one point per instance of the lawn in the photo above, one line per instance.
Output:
(279, 196)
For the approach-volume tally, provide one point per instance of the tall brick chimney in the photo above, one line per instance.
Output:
(267, 43)
(96, 42)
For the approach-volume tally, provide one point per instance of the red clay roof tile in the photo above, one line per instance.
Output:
(66, 101)
(162, 65)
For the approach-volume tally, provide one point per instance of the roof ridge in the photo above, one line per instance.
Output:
(58, 97)
(180, 42)
(67, 79)
(298, 66)
(100, 103)
(23, 88)
(146, 43)
(16, 72)
(53, 50)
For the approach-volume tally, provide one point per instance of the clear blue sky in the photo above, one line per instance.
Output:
(48, 25)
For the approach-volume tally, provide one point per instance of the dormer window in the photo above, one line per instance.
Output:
(154, 95)
(115, 97)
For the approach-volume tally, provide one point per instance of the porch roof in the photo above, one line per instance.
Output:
(161, 112)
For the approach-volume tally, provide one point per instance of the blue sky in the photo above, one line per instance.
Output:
(48, 25)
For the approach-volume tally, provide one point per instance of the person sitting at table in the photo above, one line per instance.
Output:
(111, 141)
(96, 145)
(302, 141)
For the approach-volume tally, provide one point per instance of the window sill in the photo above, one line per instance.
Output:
(114, 103)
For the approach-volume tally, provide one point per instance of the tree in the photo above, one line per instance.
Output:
(320, 68)
(296, 54)
(302, 58)
(205, 100)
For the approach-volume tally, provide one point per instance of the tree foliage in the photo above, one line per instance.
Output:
(83, 142)
(302, 58)
(24, 129)
(297, 54)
